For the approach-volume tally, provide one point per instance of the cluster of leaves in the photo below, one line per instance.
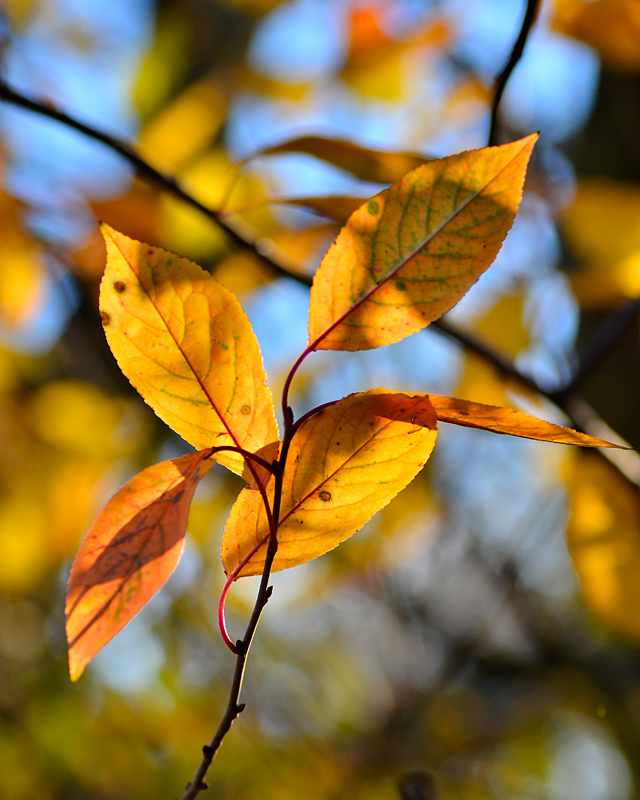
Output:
(465, 601)
(403, 259)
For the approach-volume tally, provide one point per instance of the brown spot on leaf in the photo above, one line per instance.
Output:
(106, 319)
(246, 409)
(324, 496)
(120, 287)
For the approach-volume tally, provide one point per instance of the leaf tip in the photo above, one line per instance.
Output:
(76, 667)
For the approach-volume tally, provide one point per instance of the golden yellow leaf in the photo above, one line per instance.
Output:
(187, 346)
(604, 542)
(345, 464)
(128, 553)
(509, 422)
(412, 251)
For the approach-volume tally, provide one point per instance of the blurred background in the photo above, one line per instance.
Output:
(484, 626)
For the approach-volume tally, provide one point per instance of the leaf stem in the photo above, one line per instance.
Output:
(233, 709)
(246, 454)
(223, 597)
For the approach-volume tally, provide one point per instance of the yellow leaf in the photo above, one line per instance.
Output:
(187, 346)
(412, 251)
(345, 464)
(604, 542)
(509, 422)
(128, 554)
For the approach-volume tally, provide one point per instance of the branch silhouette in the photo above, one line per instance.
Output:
(502, 79)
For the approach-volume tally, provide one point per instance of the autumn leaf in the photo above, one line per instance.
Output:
(128, 553)
(187, 346)
(412, 251)
(376, 166)
(509, 422)
(345, 464)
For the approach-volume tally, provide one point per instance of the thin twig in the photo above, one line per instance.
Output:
(142, 168)
(233, 709)
(516, 54)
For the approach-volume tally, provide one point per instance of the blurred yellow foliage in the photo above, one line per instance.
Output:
(78, 417)
(375, 64)
(21, 267)
(503, 328)
(20, 11)
(164, 65)
(602, 227)
(612, 27)
(184, 128)
(603, 541)
(24, 558)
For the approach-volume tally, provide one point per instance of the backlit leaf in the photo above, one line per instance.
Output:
(509, 422)
(345, 464)
(376, 166)
(128, 553)
(187, 346)
(408, 255)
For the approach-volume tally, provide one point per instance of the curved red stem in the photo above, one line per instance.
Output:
(222, 623)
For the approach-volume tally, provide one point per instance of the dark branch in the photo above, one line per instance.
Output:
(516, 54)
(142, 168)
(562, 397)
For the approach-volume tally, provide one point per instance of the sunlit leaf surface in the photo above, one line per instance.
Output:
(508, 421)
(345, 464)
(411, 252)
(187, 346)
(129, 553)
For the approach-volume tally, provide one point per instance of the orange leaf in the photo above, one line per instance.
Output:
(128, 554)
(345, 464)
(412, 251)
(187, 346)
(376, 166)
(509, 422)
